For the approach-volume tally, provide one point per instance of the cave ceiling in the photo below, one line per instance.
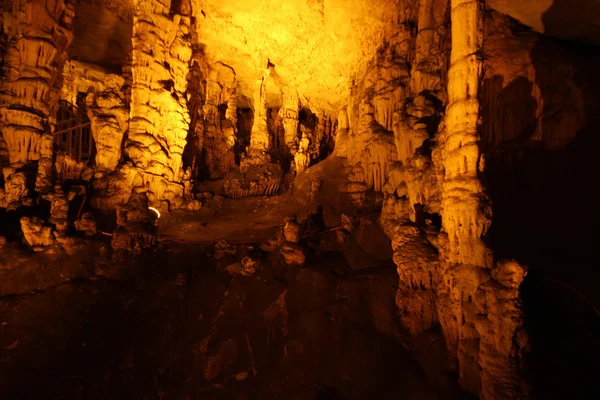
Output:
(316, 46)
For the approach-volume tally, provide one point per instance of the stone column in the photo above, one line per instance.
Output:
(259, 136)
(473, 289)
(290, 107)
(159, 114)
(36, 50)
(109, 117)
(219, 134)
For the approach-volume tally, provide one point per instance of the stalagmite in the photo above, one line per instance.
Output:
(289, 111)
(487, 361)
(302, 158)
(259, 137)
(257, 175)
(444, 108)
(159, 115)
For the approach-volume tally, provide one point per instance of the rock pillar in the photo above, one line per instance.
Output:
(478, 300)
(36, 50)
(159, 117)
(259, 136)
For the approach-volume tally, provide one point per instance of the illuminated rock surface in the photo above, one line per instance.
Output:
(401, 167)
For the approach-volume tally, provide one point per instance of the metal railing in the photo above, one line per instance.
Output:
(73, 133)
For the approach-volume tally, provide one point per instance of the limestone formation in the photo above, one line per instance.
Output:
(217, 138)
(260, 143)
(302, 158)
(159, 118)
(395, 141)
(16, 188)
(36, 234)
(291, 250)
(87, 224)
(29, 91)
(67, 167)
(134, 231)
(59, 208)
(115, 188)
(236, 99)
(109, 119)
(289, 114)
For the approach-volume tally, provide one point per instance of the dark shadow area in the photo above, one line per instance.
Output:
(574, 19)
(184, 328)
(542, 169)
(101, 37)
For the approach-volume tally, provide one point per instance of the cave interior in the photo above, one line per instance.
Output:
(299, 199)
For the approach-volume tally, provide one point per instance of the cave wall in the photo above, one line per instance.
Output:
(39, 34)
(456, 121)
(413, 133)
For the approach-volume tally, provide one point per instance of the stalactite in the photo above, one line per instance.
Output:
(29, 92)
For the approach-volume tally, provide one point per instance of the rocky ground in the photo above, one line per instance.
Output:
(234, 321)
(190, 321)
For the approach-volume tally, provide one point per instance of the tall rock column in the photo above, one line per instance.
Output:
(289, 117)
(289, 111)
(159, 114)
(259, 136)
(41, 32)
(219, 134)
(478, 303)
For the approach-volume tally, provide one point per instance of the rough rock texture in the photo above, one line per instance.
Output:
(107, 110)
(16, 189)
(36, 234)
(109, 116)
(59, 208)
(115, 188)
(410, 131)
(67, 167)
(103, 31)
(87, 224)
(39, 34)
(425, 89)
(159, 115)
(335, 37)
(134, 231)
(217, 132)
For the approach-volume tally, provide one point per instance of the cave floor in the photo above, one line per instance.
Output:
(186, 329)
(173, 323)
(248, 220)
(178, 325)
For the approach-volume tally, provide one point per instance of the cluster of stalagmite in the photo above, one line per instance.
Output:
(159, 118)
(409, 130)
(412, 133)
(38, 37)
